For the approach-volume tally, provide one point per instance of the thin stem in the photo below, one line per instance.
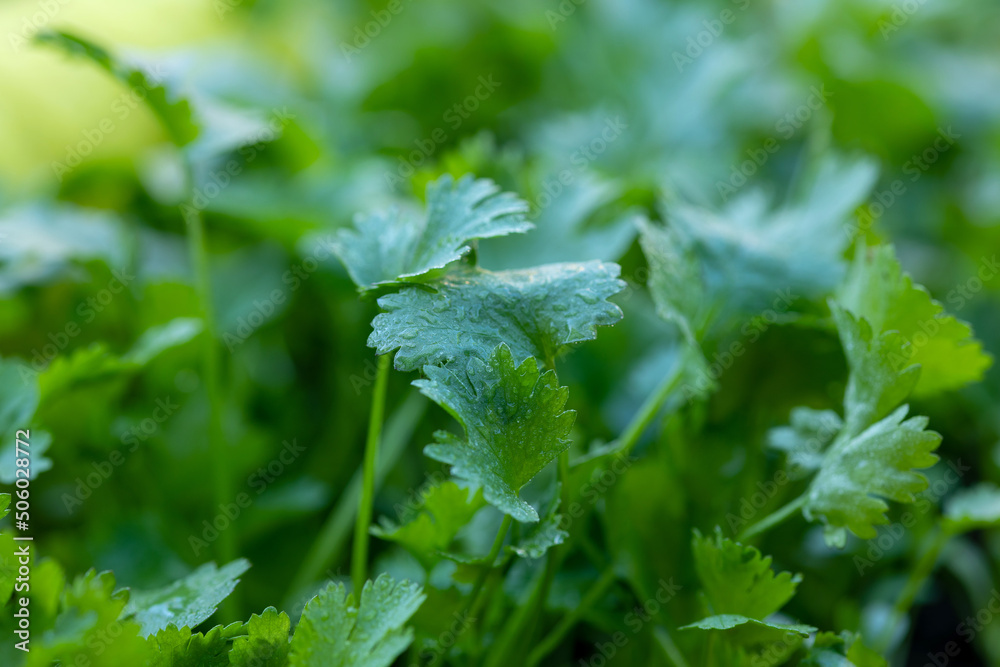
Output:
(484, 574)
(333, 535)
(666, 642)
(648, 411)
(221, 483)
(773, 519)
(491, 558)
(359, 559)
(562, 628)
(918, 576)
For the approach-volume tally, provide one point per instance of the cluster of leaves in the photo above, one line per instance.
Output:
(769, 385)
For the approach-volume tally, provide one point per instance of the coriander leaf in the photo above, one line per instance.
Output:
(266, 643)
(88, 608)
(4, 504)
(730, 621)
(569, 229)
(514, 424)
(175, 114)
(973, 509)
(880, 374)
(179, 647)
(188, 601)
(843, 650)
(542, 537)
(469, 311)
(878, 290)
(392, 246)
(859, 470)
(335, 633)
(805, 439)
(737, 579)
(445, 510)
(710, 270)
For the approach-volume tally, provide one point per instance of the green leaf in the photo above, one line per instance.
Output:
(878, 290)
(514, 425)
(737, 579)
(156, 340)
(859, 470)
(806, 438)
(880, 376)
(542, 537)
(266, 643)
(387, 247)
(335, 633)
(4, 504)
(843, 650)
(730, 621)
(974, 508)
(179, 647)
(445, 510)
(710, 270)
(468, 312)
(569, 229)
(188, 601)
(175, 114)
(89, 616)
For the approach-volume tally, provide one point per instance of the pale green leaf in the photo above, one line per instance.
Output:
(860, 470)
(392, 246)
(188, 601)
(445, 510)
(737, 579)
(333, 632)
(514, 424)
(880, 375)
(806, 438)
(878, 290)
(266, 643)
(175, 114)
(973, 508)
(468, 312)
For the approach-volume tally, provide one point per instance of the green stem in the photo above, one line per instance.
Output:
(221, 483)
(666, 642)
(333, 535)
(918, 576)
(648, 411)
(359, 559)
(773, 519)
(484, 574)
(562, 628)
